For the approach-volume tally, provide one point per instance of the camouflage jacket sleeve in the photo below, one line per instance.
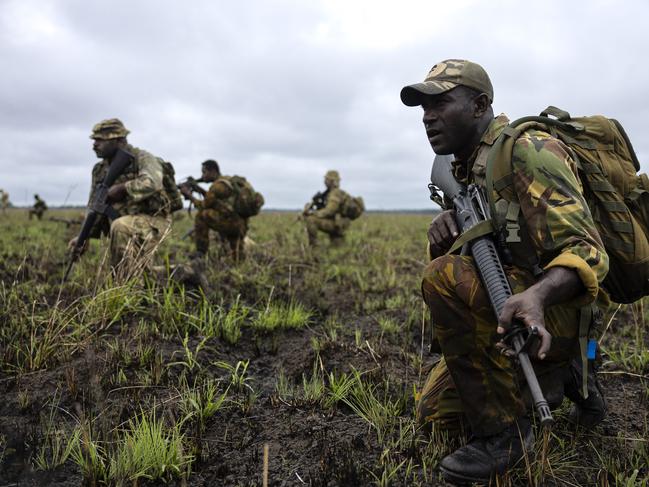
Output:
(219, 192)
(334, 201)
(149, 177)
(557, 217)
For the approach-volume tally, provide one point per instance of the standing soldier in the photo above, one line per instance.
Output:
(225, 208)
(4, 201)
(38, 209)
(138, 197)
(476, 385)
(331, 211)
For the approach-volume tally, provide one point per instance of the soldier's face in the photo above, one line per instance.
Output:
(329, 183)
(449, 121)
(208, 175)
(105, 149)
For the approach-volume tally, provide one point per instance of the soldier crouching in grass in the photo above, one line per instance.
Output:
(225, 208)
(324, 212)
(39, 208)
(475, 386)
(138, 197)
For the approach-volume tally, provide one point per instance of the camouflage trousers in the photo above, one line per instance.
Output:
(334, 227)
(134, 239)
(230, 227)
(474, 384)
(38, 212)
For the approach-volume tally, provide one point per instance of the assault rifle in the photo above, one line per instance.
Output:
(193, 185)
(98, 205)
(68, 221)
(318, 201)
(472, 215)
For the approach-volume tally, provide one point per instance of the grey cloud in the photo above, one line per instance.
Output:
(251, 85)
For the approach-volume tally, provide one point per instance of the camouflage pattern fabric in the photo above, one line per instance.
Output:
(216, 212)
(556, 223)
(133, 240)
(112, 128)
(328, 219)
(38, 209)
(488, 393)
(4, 200)
(445, 76)
(145, 202)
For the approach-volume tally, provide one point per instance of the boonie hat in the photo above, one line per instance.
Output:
(112, 128)
(445, 76)
(333, 175)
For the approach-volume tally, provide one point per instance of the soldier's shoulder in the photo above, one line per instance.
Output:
(97, 168)
(141, 154)
(534, 142)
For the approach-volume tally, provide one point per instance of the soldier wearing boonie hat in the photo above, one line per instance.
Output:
(475, 387)
(138, 196)
(324, 212)
(445, 76)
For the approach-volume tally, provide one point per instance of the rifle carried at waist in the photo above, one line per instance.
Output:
(68, 221)
(99, 206)
(472, 215)
(318, 201)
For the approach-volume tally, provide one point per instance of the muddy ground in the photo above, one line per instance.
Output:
(308, 443)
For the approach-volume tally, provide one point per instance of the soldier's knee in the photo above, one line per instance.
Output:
(119, 227)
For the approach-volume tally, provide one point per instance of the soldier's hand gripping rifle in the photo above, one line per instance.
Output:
(318, 202)
(472, 215)
(99, 205)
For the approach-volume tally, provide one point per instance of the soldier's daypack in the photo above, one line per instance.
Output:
(170, 187)
(352, 206)
(246, 202)
(617, 196)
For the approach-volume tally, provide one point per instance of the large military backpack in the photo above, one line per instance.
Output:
(247, 202)
(352, 206)
(170, 186)
(617, 196)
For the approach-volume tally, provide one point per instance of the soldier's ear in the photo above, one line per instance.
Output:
(481, 104)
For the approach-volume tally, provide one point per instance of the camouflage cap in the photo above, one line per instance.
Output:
(333, 175)
(445, 76)
(112, 128)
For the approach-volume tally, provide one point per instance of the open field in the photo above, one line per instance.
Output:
(142, 381)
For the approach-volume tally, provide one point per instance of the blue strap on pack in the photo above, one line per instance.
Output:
(592, 349)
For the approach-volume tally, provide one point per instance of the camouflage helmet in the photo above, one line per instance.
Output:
(112, 128)
(445, 76)
(333, 175)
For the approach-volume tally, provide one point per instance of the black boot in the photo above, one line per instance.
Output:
(587, 412)
(483, 458)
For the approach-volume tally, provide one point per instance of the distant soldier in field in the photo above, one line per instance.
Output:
(225, 208)
(138, 196)
(38, 209)
(331, 211)
(4, 201)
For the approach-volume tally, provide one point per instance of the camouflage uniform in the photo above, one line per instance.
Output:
(329, 218)
(144, 213)
(216, 212)
(4, 200)
(38, 209)
(474, 383)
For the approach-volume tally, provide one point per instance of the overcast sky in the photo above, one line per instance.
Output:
(280, 91)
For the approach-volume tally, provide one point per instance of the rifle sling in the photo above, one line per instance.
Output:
(479, 230)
